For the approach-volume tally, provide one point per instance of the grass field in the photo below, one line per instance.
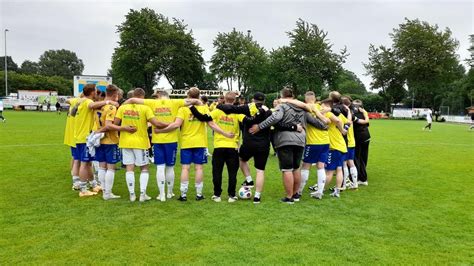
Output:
(417, 209)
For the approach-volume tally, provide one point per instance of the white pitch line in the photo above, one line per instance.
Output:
(423, 143)
(29, 145)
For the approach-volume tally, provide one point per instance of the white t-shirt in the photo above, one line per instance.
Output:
(1, 105)
(429, 118)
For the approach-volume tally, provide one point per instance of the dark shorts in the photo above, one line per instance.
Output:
(335, 160)
(83, 153)
(74, 154)
(193, 155)
(316, 153)
(109, 153)
(165, 153)
(289, 157)
(350, 155)
(260, 156)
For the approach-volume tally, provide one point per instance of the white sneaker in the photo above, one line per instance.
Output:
(170, 195)
(316, 195)
(365, 183)
(216, 198)
(133, 197)
(144, 197)
(152, 160)
(161, 198)
(232, 199)
(109, 196)
(335, 194)
(354, 186)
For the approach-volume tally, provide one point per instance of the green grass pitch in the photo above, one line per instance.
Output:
(417, 209)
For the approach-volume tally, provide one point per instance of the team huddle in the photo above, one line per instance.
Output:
(331, 135)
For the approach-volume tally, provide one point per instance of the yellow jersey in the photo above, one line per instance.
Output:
(165, 110)
(107, 113)
(228, 123)
(212, 107)
(84, 121)
(253, 109)
(69, 130)
(135, 115)
(315, 136)
(193, 132)
(336, 140)
(350, 137)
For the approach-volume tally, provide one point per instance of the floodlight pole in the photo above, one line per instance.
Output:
(6, 65)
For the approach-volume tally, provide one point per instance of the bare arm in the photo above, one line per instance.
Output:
(97, 105)
(365, 120)
(219, 130)
(134, 100)
(192, 102)
(176, 124)
(110, 126)
(157, 123)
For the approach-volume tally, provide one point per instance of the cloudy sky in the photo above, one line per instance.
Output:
(89, 27)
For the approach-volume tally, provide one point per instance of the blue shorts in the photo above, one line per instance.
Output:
(335, 160)
(316, 153)
(83, 153)
(109, 153)
(350, 155)
(165, 153)
(74, 154)
(193, 155)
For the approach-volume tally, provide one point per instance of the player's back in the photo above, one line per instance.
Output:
(83, 121)
(228, 123)
(69, 129)
(336, 140)
(165, 110)
(193, 132)
(135, 115)
(316, 136)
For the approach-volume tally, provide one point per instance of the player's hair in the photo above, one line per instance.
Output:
(139, 93)
(358, 102)
(130, 94)
(286, 92)
(335, 96)
(88, 89)
(222, 96)
(204, 99)
(111, 90)
(163, 94)
(120, 91)
(327, 101)
(193, 93)
(346, 100)
(230, 97)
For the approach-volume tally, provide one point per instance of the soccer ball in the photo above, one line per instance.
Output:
(245, 193)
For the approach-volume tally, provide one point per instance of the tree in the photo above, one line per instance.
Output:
(385, 70)
(151, 46)
(308, 63)
(62, 63)
(20, 81)
(347, 82)
(29, 67)
(239, 58)
(12, 66)
(428, 60)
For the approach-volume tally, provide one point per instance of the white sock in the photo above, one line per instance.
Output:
(95, 166)
(75, 179)
(160, 178)
(321, 180)
(130, 177)
(169, 175)
(101, 176)
(83, 186)
(345, 172)
(257, 194)
(109, 181)
(199, 188)
(354, 174)
(144, 176)
(248, 178)
(304, 179)
(184, 188)
(93, 183)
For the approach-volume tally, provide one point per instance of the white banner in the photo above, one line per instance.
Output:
(208, 93)
(100, 82)
(33, 97)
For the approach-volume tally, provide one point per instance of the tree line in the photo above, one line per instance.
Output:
(419, 68)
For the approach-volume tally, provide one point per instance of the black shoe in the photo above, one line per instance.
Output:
(296, 197)
(256, 200)
(199, 197)
(247, 184)
(313, 188)
(287, 200)
(182, 198)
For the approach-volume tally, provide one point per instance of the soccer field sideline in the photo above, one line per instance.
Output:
(395, 220)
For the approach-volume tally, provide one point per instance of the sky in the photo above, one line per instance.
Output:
(89, 27)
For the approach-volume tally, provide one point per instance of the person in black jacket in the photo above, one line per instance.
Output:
(362, 138)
